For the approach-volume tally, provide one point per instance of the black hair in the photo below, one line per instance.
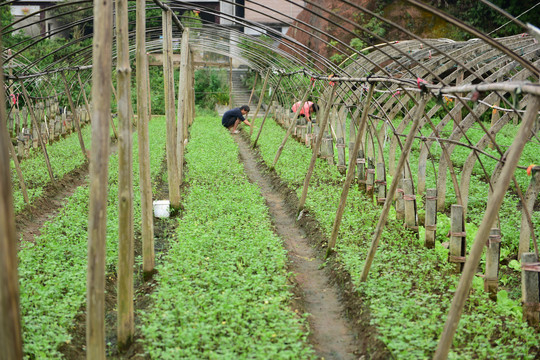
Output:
(244, 107)
(315, 107)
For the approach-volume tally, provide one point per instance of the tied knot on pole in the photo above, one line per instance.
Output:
(532, 169)
(421, 83)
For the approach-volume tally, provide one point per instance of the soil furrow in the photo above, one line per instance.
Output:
(331, 334)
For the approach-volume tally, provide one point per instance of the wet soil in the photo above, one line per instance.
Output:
(338, 321)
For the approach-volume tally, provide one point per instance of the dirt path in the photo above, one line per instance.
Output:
(330, 332)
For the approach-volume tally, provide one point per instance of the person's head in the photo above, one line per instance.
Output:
(244, 109)
(314, 107)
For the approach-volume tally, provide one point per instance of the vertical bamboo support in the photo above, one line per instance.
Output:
(457, 237)
(492, 208)
(391, 191)
(370, 178)
(410, 205)
(529, 288)
(99, 159)
(75, 114)
(125, 320)
(493, 254)
(259, 104)
(381, 184)
(340, 139)
(10, 320)
(35, 126)
(350, 176)
(361, 169)
(180, 113)
(230, 84)
(253, 88)
(168, 72)
(324, 122)
(144, 146)
(400, 203)
(431, 218)
(290, 129)
(22, 184)
(526, 230)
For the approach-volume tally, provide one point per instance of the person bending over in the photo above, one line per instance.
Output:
(232, 118)
(306, 111)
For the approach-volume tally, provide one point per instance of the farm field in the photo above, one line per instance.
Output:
(225, 287)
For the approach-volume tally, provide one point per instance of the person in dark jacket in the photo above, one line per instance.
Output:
(232, 118)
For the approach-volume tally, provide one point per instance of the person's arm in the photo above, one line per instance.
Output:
(247, 122)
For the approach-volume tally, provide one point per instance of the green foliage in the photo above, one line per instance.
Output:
(53, 269)
(224, 286)
(409, 288)
(211, 88)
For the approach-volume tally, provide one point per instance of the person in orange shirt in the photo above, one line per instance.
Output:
(306, 111)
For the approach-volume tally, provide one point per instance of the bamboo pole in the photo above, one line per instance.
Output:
(10, 320)
(266, 113)
(316, 147)
(350, 174)
(20, 177)
(75, 116)
(230, 83)
(253, 88)
(529, 288)
(125, 320)
(431, 218)
(492, 208)
(168, 72)
(99, 159)
(386, 208)
(493, 256)
(291, 127)
(144, 146)
(180, 113)
(38, 131)
(261, 98)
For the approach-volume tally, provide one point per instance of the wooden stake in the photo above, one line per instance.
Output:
(143, 115)
(35, 126)
(391, 191)
(493, 254)
(431, 218)
(125, 320)
(381, 184)
(253, 88)
(316, 148)
(266, 114)
(99, 160)
(526, 230)
(529, 288)
(350, 175)
(181, 127)
(492, 208)
(168, 75)
(75, 115)
(10, 319)
(22, 184)
(291, 128)
(261, 98)
(457, 237)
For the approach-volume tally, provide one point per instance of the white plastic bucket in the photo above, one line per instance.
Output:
(161, 208)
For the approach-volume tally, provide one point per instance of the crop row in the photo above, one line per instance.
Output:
(224, 285)
(65, 155)
(53, 269)
(409, 288)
